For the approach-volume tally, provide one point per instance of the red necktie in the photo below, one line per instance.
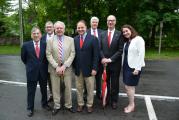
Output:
(37, 50)
(60, 49)
(81, 41)
(109, 39)
(94, 32)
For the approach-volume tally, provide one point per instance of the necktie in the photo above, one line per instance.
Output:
(81, 41)
(37, 50)
(94, 32)
(109, 39)
(60, 50)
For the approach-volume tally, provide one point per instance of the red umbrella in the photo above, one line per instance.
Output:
(104, 87)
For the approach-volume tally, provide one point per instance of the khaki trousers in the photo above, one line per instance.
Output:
(56, 90)
(89, 81)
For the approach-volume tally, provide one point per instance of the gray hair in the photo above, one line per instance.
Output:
(94, 18)
(35, 28)
(59, 22)
(49, 23)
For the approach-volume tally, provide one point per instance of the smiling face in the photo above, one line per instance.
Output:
(36, 35)
(111, 22)
(49, 28)
(81, 28)
(94, 24)
(59, 29)
(126, 32)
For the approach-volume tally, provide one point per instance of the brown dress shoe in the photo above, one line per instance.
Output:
(80, 109)
(90, 109)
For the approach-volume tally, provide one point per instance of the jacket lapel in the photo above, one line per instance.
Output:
(32, 48)
(41, 50)
(114, 37)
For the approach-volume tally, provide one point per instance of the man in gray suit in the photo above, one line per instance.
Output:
(60, 54)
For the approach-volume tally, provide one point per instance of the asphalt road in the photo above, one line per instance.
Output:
(159, 77)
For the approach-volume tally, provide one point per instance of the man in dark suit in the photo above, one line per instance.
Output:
(49, 29)
(111, 51)
(34, 57)
(96, 32)
(85, 64)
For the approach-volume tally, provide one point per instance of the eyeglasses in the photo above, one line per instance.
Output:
(111, 20)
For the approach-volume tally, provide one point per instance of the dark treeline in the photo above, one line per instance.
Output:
(144, 15)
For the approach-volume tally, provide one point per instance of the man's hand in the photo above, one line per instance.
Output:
(61, 70)
(106, 60)
(93, 72)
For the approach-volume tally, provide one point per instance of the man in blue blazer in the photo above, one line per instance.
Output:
(111, 54)
(97, 32)
(49, 29)
(85, 64)
(33, 55)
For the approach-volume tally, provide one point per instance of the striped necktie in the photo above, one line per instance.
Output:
(60, 50)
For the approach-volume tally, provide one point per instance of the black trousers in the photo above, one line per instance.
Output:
(49, 83)
(112, 84)
(98, 78)
(31, 89)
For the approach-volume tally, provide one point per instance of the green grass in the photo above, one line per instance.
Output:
(150, 53)
(9, 50)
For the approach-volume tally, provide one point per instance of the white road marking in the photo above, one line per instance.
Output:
(153, 97)
(150, 108)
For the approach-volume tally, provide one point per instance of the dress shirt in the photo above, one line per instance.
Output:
(112, 34)
(92, 32)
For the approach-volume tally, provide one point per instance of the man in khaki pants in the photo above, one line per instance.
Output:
(85, 64)
(60, 53)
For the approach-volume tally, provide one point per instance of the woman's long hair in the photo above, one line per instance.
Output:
(134, 33)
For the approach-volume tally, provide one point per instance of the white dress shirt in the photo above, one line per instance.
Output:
(49, 36)
(112, 34)
(92, 32)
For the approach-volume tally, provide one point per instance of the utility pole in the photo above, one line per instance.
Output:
(20, 23)
(160, 40)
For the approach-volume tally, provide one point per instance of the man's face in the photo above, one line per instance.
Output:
(59, 29)
(49, 29)
(111, 22)
(81, 28)
(94, 24)
(36, 35)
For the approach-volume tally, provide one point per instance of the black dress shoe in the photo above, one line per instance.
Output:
(72, 110)
(47, 107)
(55, 111)
(114, 105)
(98, 96)
(29, 113)
(50, 99)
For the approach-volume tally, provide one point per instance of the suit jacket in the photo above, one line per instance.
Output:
(34, 65)
(44, 38)
(86, 57)
(99, 34)
(52, 53)
(114, 52)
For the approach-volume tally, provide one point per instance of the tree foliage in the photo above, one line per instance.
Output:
(144, 15)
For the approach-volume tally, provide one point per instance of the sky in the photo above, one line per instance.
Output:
(15, 5)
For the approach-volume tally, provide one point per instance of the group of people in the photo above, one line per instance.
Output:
(54, 56)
